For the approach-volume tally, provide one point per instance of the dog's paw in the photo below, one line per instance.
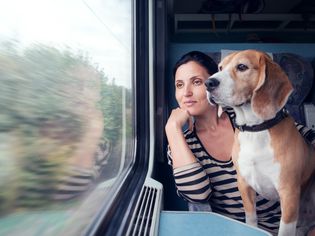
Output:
(251, 219)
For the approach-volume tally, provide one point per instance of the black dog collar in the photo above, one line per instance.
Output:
(283, 113)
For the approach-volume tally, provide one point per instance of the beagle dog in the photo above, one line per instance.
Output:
(269, 154)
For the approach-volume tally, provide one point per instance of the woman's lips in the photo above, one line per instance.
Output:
(189, 103)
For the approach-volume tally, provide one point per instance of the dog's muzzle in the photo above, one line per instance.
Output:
(211, 84)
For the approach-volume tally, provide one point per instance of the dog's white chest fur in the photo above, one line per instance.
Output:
(257, 164)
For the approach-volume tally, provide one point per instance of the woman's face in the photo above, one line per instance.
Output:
(190, 90)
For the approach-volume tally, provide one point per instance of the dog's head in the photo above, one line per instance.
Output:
(250, 77)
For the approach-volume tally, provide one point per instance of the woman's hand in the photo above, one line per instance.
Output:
(180, 152)
(178, 118)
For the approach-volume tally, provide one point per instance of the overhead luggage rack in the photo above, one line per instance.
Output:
(207, 23)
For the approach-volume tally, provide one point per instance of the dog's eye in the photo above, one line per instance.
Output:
(241, 67)
(220, 68)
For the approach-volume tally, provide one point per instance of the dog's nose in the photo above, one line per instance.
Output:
(212, 83)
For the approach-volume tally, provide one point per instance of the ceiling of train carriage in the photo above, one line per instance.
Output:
(241, 16)
(261, 6)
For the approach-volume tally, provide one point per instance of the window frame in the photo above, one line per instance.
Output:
(115, 215)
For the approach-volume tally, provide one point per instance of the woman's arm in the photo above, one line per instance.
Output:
(191, 180)
(181, 153)
(193, 183)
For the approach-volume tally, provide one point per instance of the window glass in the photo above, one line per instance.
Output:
(66, 111)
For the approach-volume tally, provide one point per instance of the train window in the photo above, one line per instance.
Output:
(66, 120)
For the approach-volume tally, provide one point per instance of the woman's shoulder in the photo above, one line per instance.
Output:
(229, 111)
(188, 133)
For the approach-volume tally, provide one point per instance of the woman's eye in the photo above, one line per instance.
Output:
(198, 82)
(179, 85)
(241, 67)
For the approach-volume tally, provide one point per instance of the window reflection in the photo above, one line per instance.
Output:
(66, 112)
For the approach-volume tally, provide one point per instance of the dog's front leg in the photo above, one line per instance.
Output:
(289, 200)
(248, 195)
(247, 192)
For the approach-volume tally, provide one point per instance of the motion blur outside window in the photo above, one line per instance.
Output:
(65, 111)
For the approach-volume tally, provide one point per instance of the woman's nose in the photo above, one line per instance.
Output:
(187, 91)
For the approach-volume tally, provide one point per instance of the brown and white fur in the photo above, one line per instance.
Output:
(277, 163)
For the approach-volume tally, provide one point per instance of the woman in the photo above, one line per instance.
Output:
(201, 155)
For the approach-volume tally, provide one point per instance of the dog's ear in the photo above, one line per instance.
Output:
(272, 91)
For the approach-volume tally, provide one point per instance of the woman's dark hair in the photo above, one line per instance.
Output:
(199, 57)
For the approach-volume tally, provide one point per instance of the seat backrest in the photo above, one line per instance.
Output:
(311, 96)
(300, 73)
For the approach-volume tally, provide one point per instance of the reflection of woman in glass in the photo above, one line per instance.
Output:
(50, 136)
